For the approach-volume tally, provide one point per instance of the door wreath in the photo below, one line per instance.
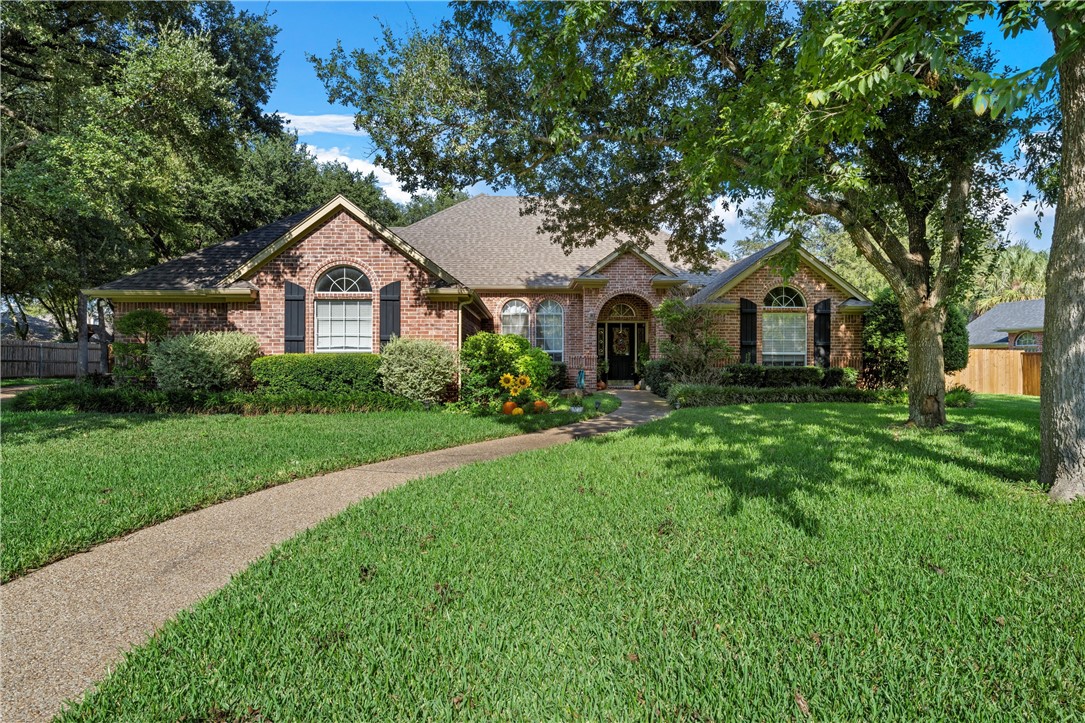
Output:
(621, 342)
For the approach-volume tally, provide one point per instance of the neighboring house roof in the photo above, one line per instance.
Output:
(490, 244)
(990, 329)
(41, 328)
(728, 279)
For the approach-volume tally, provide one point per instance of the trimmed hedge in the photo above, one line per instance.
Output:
(709, 395)
(793, 376)
(77, 397)
(209, 361)
(418, 369)
(344, 373)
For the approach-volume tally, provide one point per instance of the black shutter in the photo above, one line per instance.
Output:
(748, 332)
(822, 332)
(294, 311)
(389, 312)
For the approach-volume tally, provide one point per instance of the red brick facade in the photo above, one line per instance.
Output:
(342, 240)
(1038, 335)
(846, 343)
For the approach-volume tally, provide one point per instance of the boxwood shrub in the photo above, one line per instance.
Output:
(210, 361)
(745, 375)
(710, 395)
(334, 373)
(80, 397)
(793, 376)
(658, 376)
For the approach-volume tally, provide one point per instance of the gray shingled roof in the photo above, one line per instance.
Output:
(736, 269)
(485, 242)
(989, 328)
(208, 266)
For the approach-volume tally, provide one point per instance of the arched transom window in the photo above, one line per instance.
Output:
(343, 279)
(343, 324)
(623, 311)
(550, 329)
(785, 297)
(514, 318)
(784, 332)
(1026, 340)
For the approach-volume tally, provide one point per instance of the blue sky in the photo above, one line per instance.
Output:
(315, 27)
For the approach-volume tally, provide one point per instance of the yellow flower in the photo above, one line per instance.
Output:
(524, 381)
(506, 380)
(514, 390)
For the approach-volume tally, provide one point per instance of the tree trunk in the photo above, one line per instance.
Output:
(926, 366)
(1062, 377)
(81, 367)
(103, 340)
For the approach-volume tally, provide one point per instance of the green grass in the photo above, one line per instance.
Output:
(29, 381)
(71, 481)
(722, 564)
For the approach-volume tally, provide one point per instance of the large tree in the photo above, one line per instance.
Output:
(925, 31)
(624, 117)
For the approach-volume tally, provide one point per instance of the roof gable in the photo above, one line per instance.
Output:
(734, 275)
(628, 248)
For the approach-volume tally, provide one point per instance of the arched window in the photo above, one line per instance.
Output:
(343, 279)
(550, 329)
(785, 297)
(514, 318)
(1026, 340)
(623, 311)
(343, 324)
(784, 332)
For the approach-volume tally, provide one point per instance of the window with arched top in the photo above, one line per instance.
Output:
(343, 324)
(550, 329)
(514, 318)
(1027, 340)
(623, 311)
(784, 332)
(785, 297)
(343, 279)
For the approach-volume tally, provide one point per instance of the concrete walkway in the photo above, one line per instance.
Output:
(66, 625)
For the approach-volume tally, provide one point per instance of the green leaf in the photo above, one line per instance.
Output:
(980, 103)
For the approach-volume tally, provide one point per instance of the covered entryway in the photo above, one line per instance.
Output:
(622, 338)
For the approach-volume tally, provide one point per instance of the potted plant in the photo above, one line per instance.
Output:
(604, 367)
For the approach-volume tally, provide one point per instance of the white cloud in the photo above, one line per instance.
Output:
(385, 180)
(307, 125)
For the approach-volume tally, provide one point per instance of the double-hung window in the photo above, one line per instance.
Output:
(344, 323)
(784, 332)
(550, 329)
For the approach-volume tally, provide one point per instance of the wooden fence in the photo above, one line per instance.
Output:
(43, 358)
(1000, 371)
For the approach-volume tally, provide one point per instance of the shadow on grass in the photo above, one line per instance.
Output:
(780, 453)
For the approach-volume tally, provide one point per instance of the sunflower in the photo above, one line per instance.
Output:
(507, 380)
(514, 390)
(523, 380)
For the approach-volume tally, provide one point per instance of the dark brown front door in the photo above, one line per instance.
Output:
(620, 349)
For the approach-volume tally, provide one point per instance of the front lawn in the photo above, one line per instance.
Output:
(772, 562)
(30, 381)
(74, 480)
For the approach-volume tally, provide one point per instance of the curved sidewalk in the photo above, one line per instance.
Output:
(65, 625)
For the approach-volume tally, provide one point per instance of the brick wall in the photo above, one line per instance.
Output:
(846, 341)
(340, 241)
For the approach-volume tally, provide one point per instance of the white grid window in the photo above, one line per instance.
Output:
(1027, 340)
(345, 325)
(550, 329)
(784, 340)
(514, 318)
(343, 279)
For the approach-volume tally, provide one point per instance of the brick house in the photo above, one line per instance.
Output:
(1009, 325)
(333, 279)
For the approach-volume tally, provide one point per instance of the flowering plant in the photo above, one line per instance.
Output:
(515, 386)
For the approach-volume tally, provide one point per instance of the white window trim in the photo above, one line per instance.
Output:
(767, 356)
(316, 324)
(561, 312)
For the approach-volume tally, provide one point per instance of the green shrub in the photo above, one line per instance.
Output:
(692, 346)
(131, 361)
(211, 361)
(343, 373)
(960, 396)
(793, 376)
(745, 375)
(658, 375)
(885, 346)
(839, 377)
(424, 371)
(79, 397)
(485, 356)
(710, 395)
(559, 376)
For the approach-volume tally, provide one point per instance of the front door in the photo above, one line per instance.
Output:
(621, 347)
